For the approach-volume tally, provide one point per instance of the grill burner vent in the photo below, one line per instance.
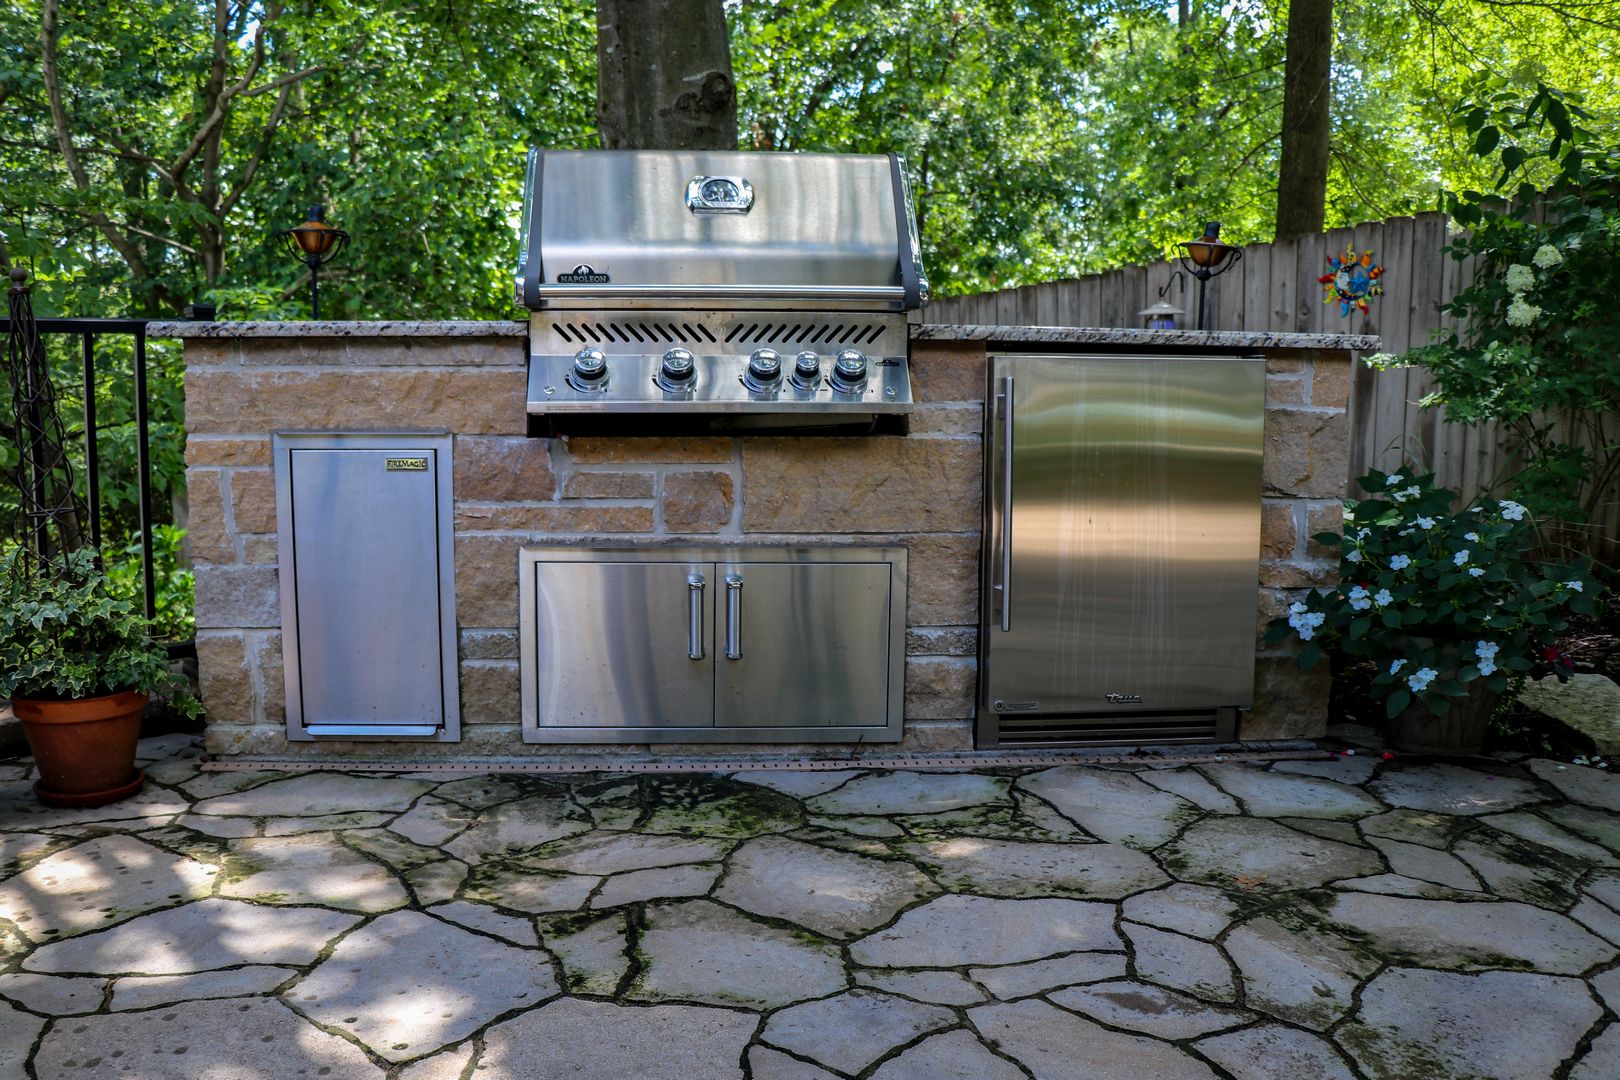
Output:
(642, 333)
(804, 333)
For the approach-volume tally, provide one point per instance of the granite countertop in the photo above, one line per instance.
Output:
(1093, 335)
(1066, 335)
(307, 329)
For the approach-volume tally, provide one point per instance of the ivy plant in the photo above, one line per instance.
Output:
(65, 635)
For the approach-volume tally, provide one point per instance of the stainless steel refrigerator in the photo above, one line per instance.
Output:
(1121, 548)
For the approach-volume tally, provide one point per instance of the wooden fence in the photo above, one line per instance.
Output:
(1274, 287)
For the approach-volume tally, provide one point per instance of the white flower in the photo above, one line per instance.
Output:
(1519, 278)
(1352, 555)
(1359, 599)
(1396, 666)
(1412, 492)
(1391, 479)
(1460, 558)
(1511, 511)
(1305, 622)
(1471, 536)
(1295, 608)
(1486, 651)
(1400, 562)
(1576, 584)
(1521, 313)
(1475, 571)
(1547, 257)
(1420, 679)
(1383, 597)
(1425, 523)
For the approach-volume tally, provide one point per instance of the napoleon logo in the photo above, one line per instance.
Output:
(583, 274)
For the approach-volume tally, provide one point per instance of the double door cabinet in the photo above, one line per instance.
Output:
(712, 644)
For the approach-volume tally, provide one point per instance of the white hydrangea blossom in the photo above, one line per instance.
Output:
(1522, 313)
(1476, 571)
(1511, 511)
(1471, 536)
(1519, 279)
(1420, 679)
(1391, 479)
(1396, 666)
(1486, 652)
(1576, 584)
(1406, 493)
(1359, 598)
(1352, 555)
(1461, 558)
(1400, 562)
(1547, 257)
(1425, 523)
(1383, 597)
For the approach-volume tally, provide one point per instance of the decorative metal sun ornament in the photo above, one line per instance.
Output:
(1353, 280)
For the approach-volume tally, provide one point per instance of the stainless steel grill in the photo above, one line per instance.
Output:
(718, 291)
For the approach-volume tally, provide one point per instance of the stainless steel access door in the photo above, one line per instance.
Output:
(1123, 518)
(367, 596)
(801, 644)
(712, 644)
(622, 644)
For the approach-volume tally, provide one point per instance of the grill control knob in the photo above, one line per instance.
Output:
(678, 371)
(806, 371)
(590, 369)
(764, 370)
(849, 371)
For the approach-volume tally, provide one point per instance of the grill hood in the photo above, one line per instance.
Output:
(718, 229)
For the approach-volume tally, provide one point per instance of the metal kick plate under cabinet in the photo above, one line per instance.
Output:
(712, 644)
(1122, 535)
(367, 597)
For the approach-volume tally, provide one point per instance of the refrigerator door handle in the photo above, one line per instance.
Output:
(1003, 586)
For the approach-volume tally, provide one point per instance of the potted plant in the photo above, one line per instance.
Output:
(78, 663)
(1453, 609)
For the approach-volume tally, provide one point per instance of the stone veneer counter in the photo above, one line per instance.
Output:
(245, 380)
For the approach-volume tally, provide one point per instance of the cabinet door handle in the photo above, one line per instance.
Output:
(1003, 587)
(694, 628)
(734, 586)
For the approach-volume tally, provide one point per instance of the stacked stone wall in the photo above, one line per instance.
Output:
(921, 491)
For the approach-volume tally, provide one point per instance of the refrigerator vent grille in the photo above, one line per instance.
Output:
(1110, 730)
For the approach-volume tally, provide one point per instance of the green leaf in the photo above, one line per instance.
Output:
(1397, 703)
(1487, 139)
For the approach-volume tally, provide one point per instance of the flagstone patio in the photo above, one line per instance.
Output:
(1314, 918)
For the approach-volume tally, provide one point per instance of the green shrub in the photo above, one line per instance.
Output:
(1437, 599)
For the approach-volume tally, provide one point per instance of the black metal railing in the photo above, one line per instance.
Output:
(89, 330)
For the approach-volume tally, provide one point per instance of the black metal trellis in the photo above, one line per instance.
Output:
(24, 341)
(51, 516)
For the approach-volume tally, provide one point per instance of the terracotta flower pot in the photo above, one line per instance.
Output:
(85, 749)
(1462, 730)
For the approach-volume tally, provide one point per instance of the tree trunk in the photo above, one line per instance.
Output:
(663, 75)
(1307, 91)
